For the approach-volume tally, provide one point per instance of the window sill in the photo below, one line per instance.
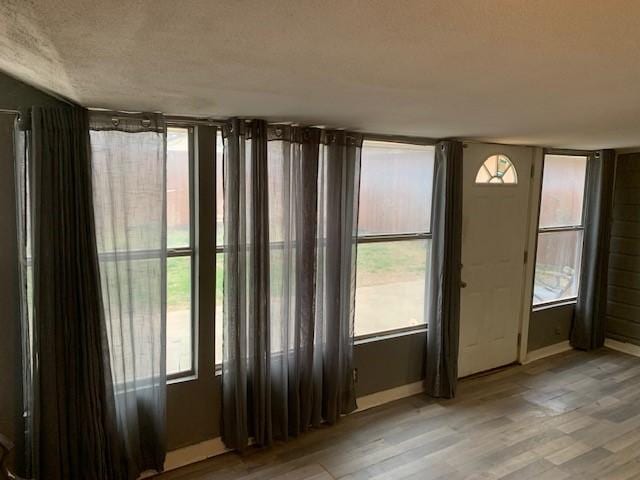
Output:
(559, 303)
(377, 337)
(187, 377)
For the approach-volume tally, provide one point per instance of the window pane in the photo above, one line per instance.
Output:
(390, 288)
(219, 307)
(497, 169)
(178, 217)
(562, 190)
(179, 318)
(130, 300)
(395, 188)
(219, 190)
(557, 266)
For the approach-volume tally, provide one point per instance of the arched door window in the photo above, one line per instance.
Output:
(497, 169)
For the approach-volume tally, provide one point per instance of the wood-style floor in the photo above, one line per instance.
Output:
(572, 416)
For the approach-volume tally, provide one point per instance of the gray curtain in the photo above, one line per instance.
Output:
(443, 305)
(588, 330)
(290, 221)
(293, 207)
(71, 424)
(338, 194)
(246, 382)
(129, 197)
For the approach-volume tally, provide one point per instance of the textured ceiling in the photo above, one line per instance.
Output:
(541, 72)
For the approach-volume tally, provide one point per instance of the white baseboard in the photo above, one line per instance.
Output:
(194, 453)
(386, 396)
(182, 457)
(623, 347)
(210, 448)
(547, 351)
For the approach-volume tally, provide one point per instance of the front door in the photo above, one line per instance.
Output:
(494, 229)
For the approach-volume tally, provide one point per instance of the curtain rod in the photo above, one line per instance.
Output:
(194, 121)
(566, 151)
(368, 136)
(210, 122)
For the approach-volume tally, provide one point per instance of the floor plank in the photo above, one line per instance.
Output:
(572, 416)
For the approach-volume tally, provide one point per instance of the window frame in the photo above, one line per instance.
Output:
(188, 252)
(219, 249)
(399, 237)
(563, 228)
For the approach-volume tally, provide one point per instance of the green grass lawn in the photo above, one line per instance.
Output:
(179, 281)
(378, 263)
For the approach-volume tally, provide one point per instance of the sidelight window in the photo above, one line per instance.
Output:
(559, 252)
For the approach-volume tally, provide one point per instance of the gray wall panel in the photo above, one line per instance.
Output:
(549, 326)
(389, 363)
(623, 302)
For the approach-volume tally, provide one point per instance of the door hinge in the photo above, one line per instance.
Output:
(526, 256)
(519, 340)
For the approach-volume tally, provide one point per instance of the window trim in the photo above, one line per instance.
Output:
(399, 237)
(562, 228)
(189, 251)
(388, 334)
(554, 304)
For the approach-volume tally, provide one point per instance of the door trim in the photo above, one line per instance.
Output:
(535, 191)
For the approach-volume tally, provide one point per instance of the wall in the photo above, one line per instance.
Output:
(623, 303)
(13, 95)
(389, 362)
(381, 364)
(548, 326)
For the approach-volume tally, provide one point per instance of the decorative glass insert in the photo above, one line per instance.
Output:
(497, 169)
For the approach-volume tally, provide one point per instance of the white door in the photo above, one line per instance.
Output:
(494, 229)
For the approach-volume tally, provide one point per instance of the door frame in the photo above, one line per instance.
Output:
(531, 240)
(535, 193)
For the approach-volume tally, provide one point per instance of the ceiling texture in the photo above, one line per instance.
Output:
(563, 73)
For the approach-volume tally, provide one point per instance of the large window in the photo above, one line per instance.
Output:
(559, 252)
(180, 252)
(394, 236)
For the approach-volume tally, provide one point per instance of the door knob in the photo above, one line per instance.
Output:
(463, 284)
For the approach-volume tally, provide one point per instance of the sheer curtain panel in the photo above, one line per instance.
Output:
(293, 201)
(246, 381)
(290, 222)
(338, 194)
(70, 413)
(129, 196)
